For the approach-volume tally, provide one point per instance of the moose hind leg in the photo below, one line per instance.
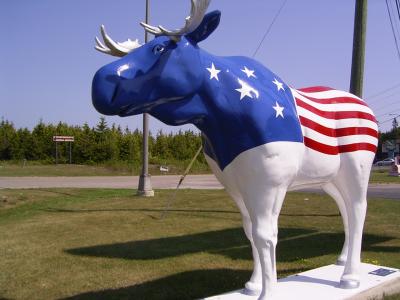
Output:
(352, 182)
(333, 191)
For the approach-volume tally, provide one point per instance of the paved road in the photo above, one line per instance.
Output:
(117, 182)
(391, 191)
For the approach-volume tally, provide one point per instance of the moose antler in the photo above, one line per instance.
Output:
(197, 12)
(115, 48)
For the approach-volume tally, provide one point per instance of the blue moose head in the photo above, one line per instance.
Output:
(160, 77)
(236, 102)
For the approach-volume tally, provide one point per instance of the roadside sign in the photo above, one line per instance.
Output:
(63, 138)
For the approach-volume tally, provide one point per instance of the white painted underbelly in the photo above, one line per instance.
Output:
(278, 163)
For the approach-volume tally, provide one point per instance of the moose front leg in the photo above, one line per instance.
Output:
(264, 208)
(253, 286)
(262, 177)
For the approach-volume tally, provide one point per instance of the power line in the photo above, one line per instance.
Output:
(387, 106)
(389, 119)
(269, 28)
(398, 7)
(385, 97)
(387, 113)
(393, 28)
(383, 91)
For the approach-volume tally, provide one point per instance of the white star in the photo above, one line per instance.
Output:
(249, 73)
(213, 72)
(279, 85)
(246, 90)
(278, 110)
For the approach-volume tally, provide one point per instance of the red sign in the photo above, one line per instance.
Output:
(62, 138)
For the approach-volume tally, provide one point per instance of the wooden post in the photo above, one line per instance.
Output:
(357, 66)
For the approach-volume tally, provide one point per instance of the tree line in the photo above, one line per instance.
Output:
(99, 144)
(104, 143)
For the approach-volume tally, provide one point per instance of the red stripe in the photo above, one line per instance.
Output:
(315, 89)
(357, 147)
(317, 146)
(334, 150)
(338, 132)
(337, 100)
(336, 115)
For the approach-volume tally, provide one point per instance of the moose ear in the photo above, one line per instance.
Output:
(207, 26)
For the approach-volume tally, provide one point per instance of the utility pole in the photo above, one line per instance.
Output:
(144, 188)
(357, 66)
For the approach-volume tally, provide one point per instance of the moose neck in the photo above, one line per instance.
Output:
(237, 99)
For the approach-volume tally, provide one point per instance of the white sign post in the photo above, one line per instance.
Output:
(62, 138)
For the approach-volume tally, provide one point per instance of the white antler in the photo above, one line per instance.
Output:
(115, 48)
(197, 12)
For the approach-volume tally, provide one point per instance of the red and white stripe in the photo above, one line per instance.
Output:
(334, 121)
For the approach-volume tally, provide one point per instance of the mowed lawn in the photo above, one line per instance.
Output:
(13, 169)
(110, 244)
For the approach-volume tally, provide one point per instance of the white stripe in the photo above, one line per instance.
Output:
(328, 94)
(335, 124)
(337, 106)
(335, 141)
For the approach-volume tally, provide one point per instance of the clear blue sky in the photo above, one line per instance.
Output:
(47, 59)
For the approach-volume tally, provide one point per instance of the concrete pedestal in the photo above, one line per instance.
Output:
(322, 283)
(144, 188)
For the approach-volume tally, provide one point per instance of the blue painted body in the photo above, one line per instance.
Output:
(172, 81)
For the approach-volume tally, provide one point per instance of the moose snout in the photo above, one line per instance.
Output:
(104, 90)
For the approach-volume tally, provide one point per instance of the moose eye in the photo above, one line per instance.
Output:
(158, 49)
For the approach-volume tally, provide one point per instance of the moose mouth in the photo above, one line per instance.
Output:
(135, 109)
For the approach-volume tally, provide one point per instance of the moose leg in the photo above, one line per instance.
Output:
(357, 207)
(254, 285)
(352, 182)
(264, 207)
(332, 191)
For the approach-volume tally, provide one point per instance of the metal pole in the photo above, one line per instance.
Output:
(56, 153)
(357, 66)
(70, 153)
(144, 188)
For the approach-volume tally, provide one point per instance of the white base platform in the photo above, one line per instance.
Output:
(320, 283)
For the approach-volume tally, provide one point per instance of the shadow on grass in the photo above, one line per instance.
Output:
(294, 244)
(57, 192)
(161, 210)
(56, 210)
(187, 285)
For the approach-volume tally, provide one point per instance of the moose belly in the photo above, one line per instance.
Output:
(279, 163)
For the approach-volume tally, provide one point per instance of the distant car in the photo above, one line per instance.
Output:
(385, 162)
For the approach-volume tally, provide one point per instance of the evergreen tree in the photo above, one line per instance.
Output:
(7, 140)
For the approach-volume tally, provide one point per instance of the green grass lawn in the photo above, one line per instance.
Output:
(110, 244)
(106, 169)
(379, 175)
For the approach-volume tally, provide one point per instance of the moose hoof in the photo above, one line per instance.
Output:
(252, 289)
(349, 284)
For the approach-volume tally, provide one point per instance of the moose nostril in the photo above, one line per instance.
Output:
(114, 95)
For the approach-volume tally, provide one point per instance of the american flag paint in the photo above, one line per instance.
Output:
(334, 121)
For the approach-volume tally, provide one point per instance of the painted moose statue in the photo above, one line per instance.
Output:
(261, 137)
